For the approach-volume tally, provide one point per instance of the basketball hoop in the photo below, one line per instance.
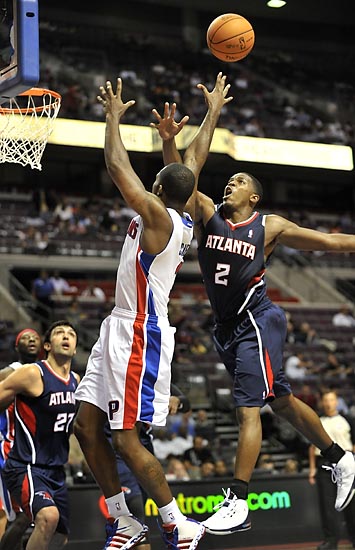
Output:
(26, 122)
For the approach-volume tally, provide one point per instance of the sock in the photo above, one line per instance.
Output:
(170, 513)
(117, 506)
(240, 488)
(333, 453)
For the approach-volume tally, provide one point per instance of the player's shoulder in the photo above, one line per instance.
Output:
(275, 221)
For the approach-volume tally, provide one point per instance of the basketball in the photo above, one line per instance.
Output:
(230, 37)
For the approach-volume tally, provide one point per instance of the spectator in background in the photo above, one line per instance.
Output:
(197, 454)
(207, 469)
(182, 420)
(64, 210)
(74, 313)
(94, 291)
(60, 284)
(265, 465)
(342, 430)
(308, 395)
(290, 336)
(305, 334)
(333, 370)
(203, 426)
(221, 469)
(42, 291)
(298, 367)
(181, 441)
(344, 317)
(176, 470)
(291, 466)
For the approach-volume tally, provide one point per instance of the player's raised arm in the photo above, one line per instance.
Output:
(168, 128)
(196, 154)
(116, 157)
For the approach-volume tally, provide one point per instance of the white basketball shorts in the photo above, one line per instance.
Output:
(129, 369)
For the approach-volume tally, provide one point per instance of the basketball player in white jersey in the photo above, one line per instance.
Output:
(128, 372)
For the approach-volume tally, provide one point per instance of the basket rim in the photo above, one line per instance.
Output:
(55, 96)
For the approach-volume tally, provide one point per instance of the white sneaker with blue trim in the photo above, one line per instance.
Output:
(231, 516)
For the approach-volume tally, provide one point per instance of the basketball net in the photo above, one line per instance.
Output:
(26, 122)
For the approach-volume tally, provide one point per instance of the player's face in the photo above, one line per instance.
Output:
(29, 344)
(238, 190)
(63, 341)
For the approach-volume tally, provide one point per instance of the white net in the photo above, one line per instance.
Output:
(26, 122)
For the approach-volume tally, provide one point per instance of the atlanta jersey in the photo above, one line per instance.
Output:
(144, 280)
(43, 424)
(231, 257)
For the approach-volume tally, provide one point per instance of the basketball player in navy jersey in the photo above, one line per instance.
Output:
(43, 395)
(129, 369)
(234, 244)
(28, 345)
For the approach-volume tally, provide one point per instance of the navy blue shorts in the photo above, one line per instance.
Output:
(253, 355)
(34, 488)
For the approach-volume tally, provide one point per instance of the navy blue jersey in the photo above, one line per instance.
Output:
(43, 424)
(231, 257)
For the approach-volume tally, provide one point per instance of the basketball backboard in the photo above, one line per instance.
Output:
(19, 47)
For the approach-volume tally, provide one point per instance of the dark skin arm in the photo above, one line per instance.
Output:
(197, 152)
(156, 219)
(281, 230)
(26, 380)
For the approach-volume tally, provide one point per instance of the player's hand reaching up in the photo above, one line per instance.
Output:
(112, 103)
(167, 126)
(218, 97)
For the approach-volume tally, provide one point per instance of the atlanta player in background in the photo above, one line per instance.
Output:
(43, 395)
(28, 346)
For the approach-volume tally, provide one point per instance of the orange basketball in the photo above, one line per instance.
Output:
(230, 37)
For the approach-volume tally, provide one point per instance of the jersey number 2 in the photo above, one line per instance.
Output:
(221, 275)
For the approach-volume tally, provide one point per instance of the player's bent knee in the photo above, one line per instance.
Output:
(283, 403)
(47, 519)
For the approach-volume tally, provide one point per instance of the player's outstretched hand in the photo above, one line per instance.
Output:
(218, 97)
(112, 103)
(167, 126)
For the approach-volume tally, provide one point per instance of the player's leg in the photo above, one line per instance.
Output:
(253, 356)
(89, 428)
(178, 530)
(46, 521)
(249, 442)
(307, 422)
(303, 418)
(145, 466)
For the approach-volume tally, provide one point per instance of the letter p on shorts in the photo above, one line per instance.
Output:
(113, 407)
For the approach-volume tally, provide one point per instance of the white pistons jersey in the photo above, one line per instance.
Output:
(144, 281)
(129, 369)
